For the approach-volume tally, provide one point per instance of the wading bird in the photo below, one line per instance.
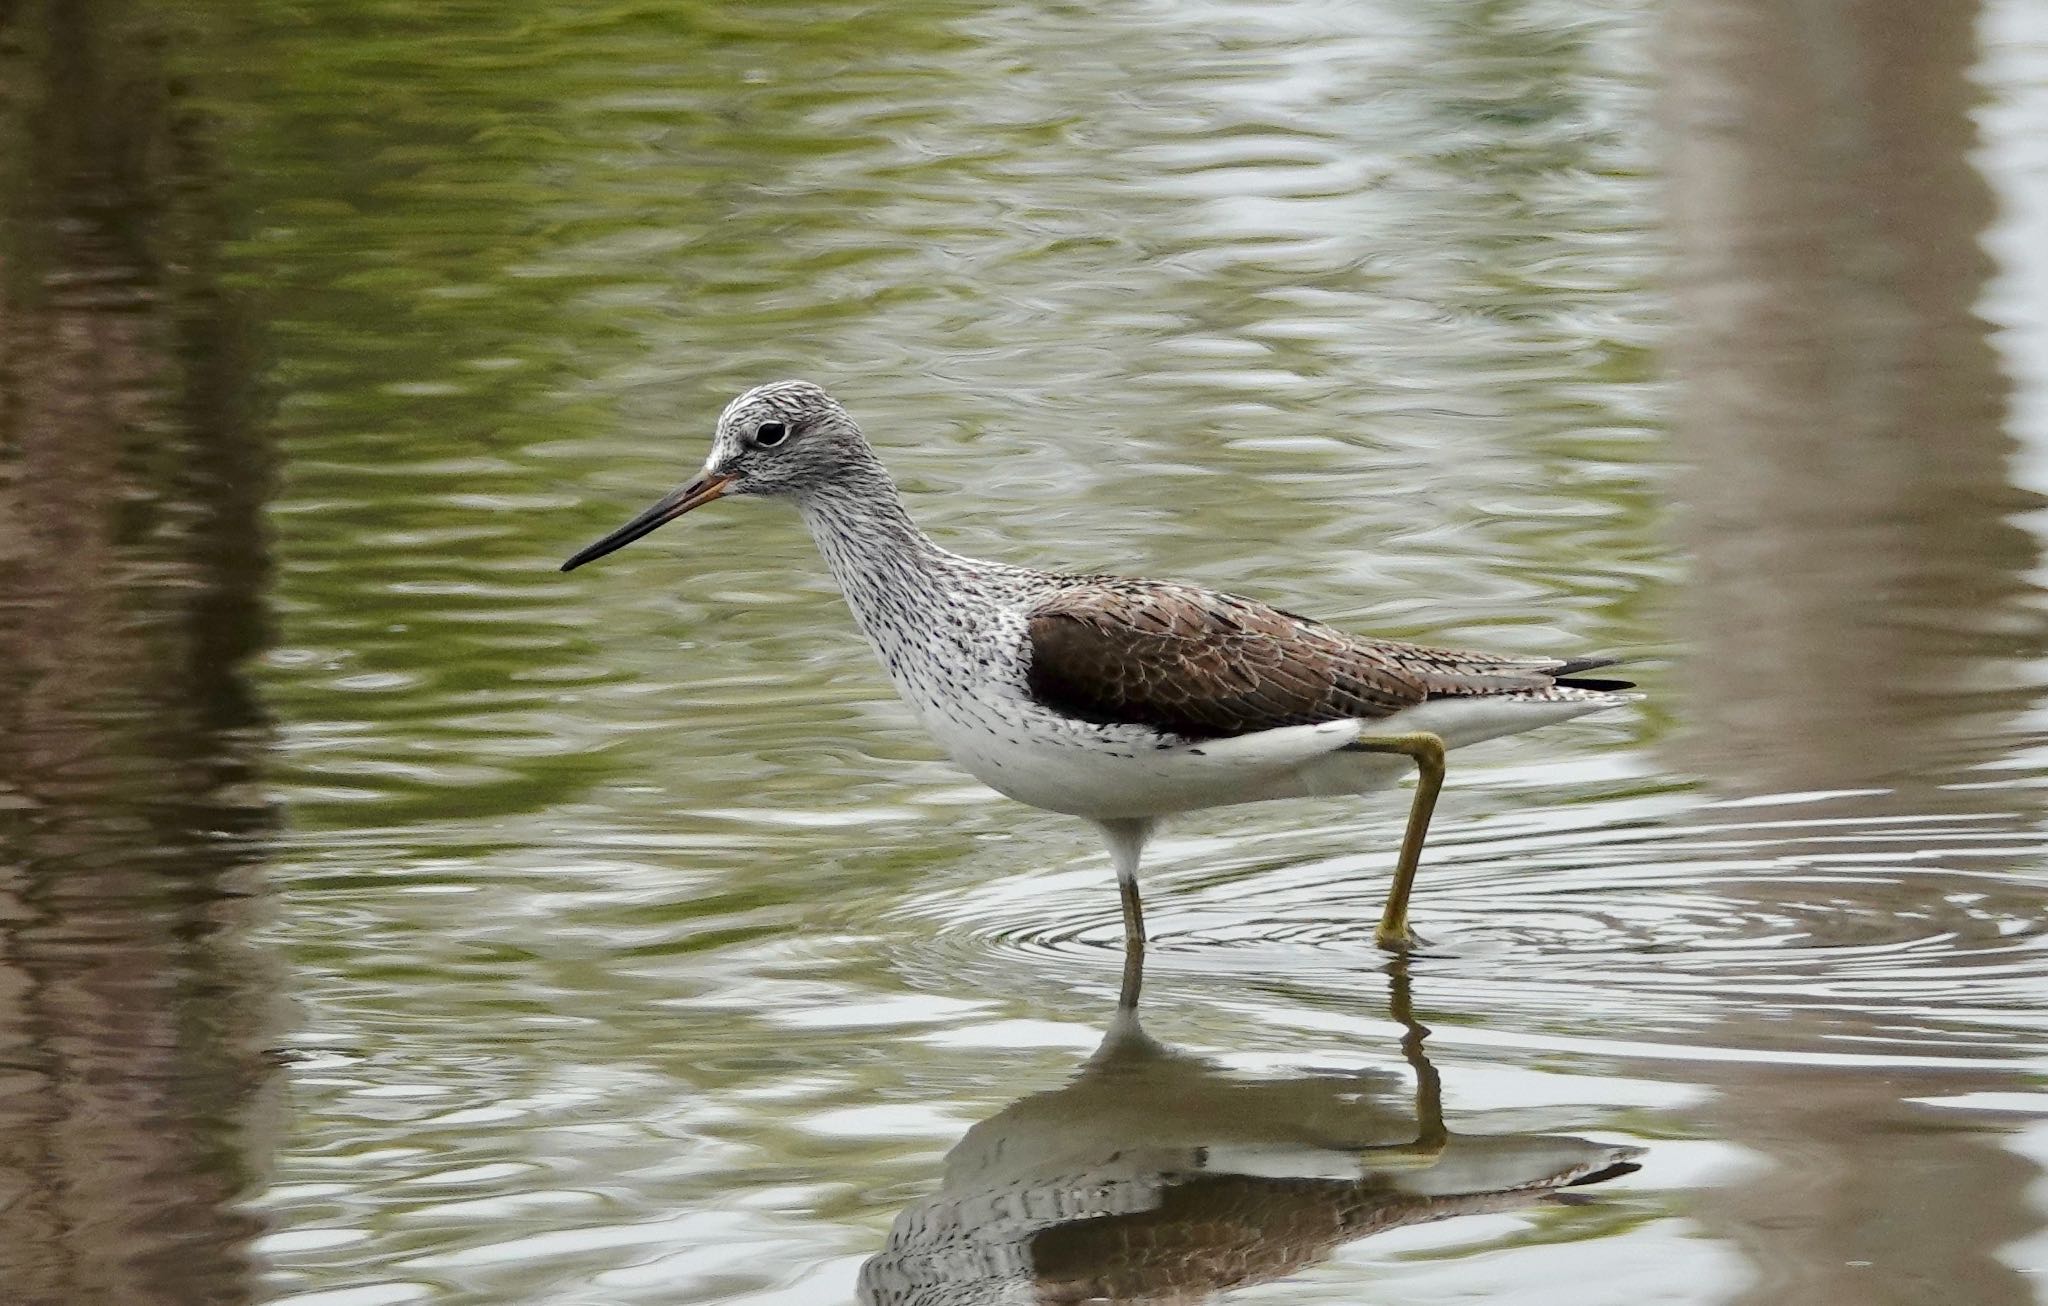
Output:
(1121, 701)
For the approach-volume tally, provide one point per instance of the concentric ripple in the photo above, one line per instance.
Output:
(1915, 935)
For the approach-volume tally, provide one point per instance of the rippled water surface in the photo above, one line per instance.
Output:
(386, 917)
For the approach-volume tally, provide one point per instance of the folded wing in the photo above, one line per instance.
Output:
(1202, 665)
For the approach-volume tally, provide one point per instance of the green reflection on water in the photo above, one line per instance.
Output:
(646, 949)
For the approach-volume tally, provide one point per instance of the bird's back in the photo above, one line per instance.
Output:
(1203, 665)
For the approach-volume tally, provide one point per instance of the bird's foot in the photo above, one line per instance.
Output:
(1401, 940)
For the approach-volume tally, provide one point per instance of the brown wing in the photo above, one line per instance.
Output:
(1203, 665)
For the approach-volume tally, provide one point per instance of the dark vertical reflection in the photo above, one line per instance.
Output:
(131, 565)
(1860, 599)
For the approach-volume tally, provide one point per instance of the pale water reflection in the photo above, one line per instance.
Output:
(638, 947)
(1158, 1176)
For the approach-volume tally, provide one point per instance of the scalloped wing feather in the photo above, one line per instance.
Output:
(1202, 665)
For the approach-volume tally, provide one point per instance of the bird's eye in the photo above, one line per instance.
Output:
(770, 434)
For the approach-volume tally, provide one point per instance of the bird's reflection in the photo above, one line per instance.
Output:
(1156, 1175)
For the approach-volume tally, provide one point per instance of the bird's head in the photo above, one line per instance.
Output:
(787, 439)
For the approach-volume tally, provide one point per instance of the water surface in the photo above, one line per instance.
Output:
(385, 917)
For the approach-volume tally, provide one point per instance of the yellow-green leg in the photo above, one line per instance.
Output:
(1134, 944)
(1427, 751)
(1126, 839)
(1134, 948)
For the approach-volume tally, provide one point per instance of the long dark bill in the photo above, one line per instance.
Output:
(694, 495)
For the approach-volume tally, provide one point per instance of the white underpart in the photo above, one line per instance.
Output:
(1110, 780)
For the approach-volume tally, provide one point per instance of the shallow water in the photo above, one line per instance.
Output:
(385, 917)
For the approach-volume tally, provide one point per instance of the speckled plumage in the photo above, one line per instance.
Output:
(1115, 699)
(1197, 664)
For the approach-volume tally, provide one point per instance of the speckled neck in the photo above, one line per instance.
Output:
(906, 592)
(860, 516)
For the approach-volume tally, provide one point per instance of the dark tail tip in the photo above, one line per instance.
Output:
(1615, 1171)
(1573, 666)
(1568, 675)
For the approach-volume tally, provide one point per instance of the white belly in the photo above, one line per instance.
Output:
(1088, 771)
